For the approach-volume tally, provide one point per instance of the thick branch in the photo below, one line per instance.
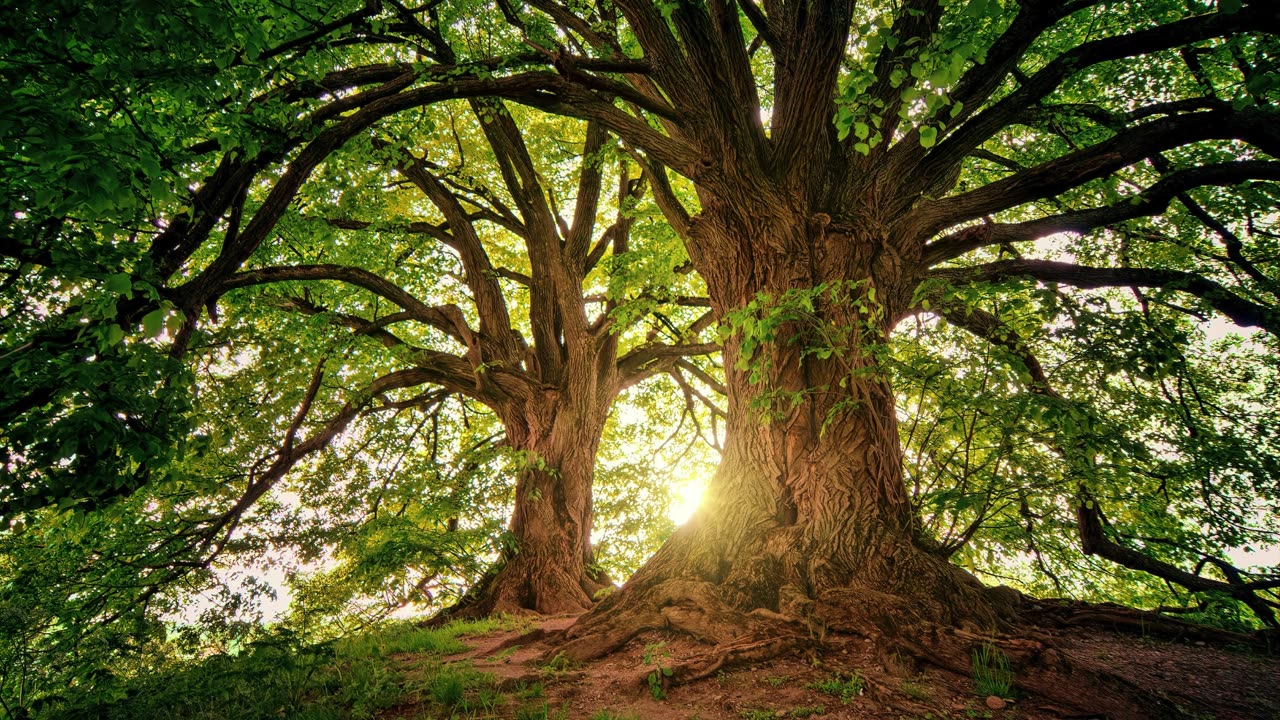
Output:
(989, 122)
(651, 359)
(1241, 311)
(1055, 177)
(1094, 541)
(1153, 201)
(446, 318)
(196, 292)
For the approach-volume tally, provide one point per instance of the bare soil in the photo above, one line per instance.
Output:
(1190, 679)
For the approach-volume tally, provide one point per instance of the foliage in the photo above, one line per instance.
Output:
(279, 674)
(839, 686)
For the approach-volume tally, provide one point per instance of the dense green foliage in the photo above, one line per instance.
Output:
(175, 430)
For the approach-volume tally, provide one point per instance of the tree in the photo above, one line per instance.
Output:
(832, 170)
(552, 394)
(817, 238)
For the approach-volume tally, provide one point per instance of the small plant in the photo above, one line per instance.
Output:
(558, 664)
(757, 714)
(658, 677)
(776, 680)
(837, 686)
(530, 690)
(992, 674)
(503, 655)
(448, 687)
(805, 711)
(486, 700)
(540, 712)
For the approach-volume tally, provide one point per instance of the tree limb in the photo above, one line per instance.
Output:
(1152, 201)
(1241, 311)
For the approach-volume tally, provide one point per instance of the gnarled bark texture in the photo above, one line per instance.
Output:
(548, 567)
(806, 524)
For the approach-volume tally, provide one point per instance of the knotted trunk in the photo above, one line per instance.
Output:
(807, 522)
(547, 567)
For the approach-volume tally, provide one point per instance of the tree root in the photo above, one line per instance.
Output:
(692, 608)
(938, 624)
(721, 657)
(1072, 613)
(505, 589)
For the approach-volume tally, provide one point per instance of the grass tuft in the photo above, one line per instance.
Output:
(992, 673)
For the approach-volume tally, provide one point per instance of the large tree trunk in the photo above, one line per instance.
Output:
(806, 524)
(548, 566)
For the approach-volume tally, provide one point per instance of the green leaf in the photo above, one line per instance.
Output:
(153, 323)
(977, 8)
(173, 323)
(120, 284)
(928, 136)
(1229, 7)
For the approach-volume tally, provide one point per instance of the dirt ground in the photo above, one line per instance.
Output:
(1175, 679)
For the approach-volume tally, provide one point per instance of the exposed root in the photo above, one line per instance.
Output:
(689, 607)
(514, 588)
(533, 636)
(1071, 613)
(722, 656)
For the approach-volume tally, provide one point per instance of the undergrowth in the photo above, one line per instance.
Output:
(279, 677)
(838, 686)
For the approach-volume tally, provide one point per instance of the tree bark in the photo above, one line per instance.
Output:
(548, 566)
(806, 524)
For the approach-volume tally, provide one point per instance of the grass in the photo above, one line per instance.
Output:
(558, 664)
(448, 687)
(503, 654)
(837, 686)
(805, 711)
(776, 680)
(277, 676)
(528, 691)
(992, 674)
(611, 715)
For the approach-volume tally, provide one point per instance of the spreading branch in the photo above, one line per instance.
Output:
(1241, 311)
(1153, 201)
